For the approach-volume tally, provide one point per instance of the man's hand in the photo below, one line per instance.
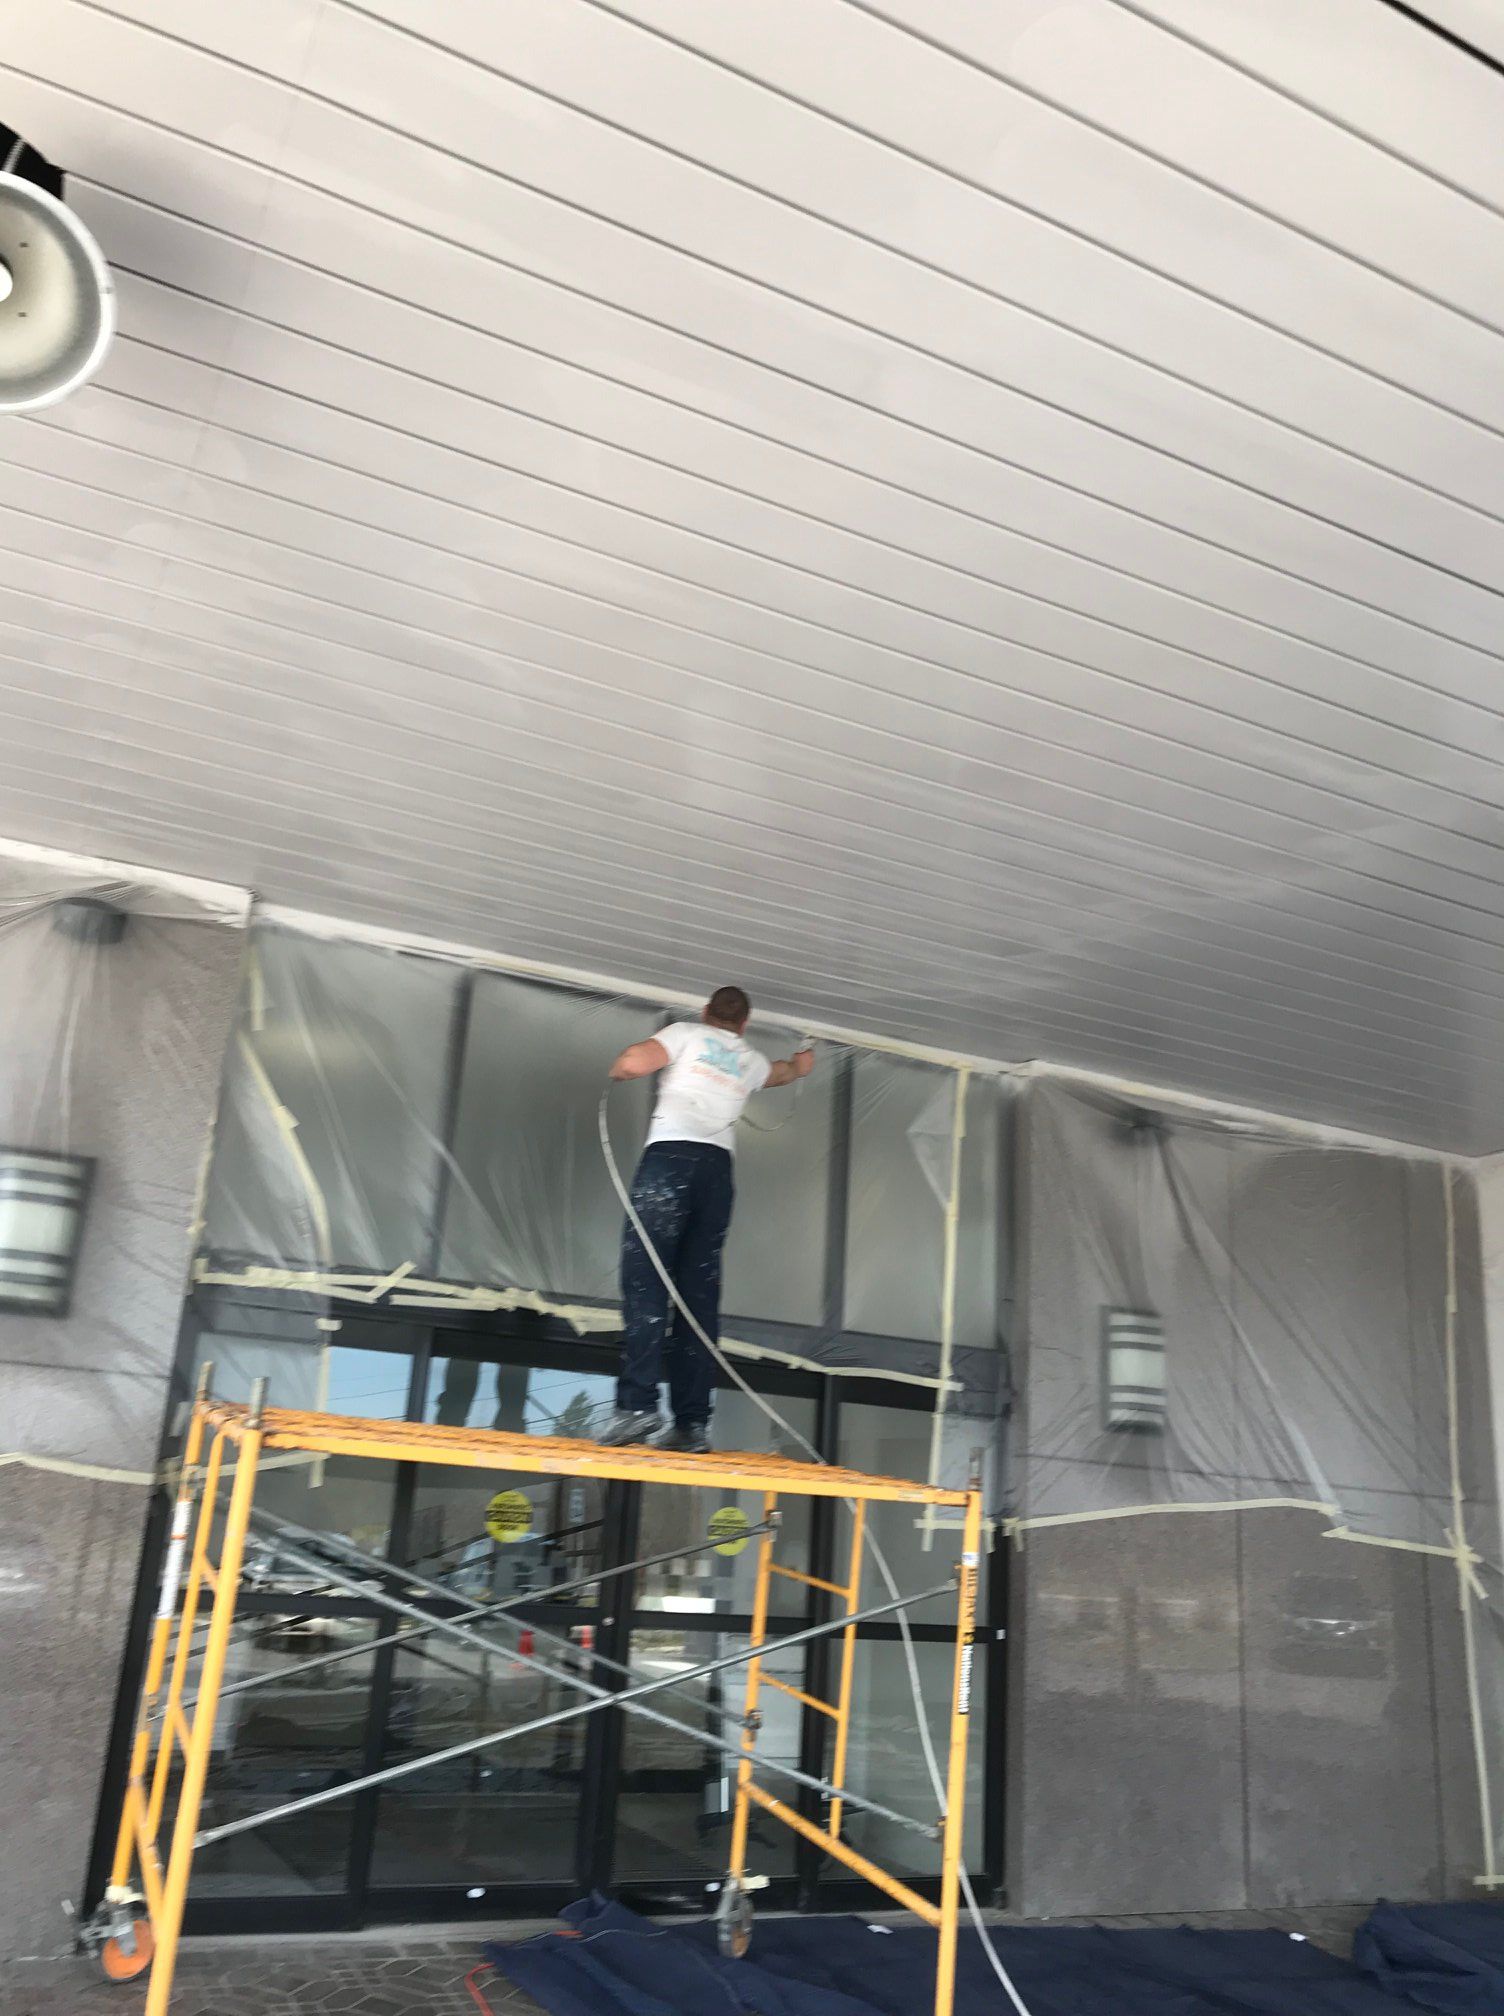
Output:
(787, 1069)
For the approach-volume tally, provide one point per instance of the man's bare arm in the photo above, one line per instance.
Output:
(787, 1069)
(640, 1060)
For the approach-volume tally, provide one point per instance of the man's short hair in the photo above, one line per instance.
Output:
(729, 1006)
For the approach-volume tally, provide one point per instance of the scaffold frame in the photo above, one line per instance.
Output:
(140, 1922)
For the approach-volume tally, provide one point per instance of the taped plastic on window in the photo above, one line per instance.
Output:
(406, 1129)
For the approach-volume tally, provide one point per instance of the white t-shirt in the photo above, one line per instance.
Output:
(710, 1076)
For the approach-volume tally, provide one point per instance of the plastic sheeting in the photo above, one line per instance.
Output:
(1305, 1318)
(1302, 1294)
(115, 995)
(406, 1125)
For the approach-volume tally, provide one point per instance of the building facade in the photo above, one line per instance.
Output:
(1192, 1695)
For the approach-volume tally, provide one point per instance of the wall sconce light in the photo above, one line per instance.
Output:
(42, 1201)
(1134, 1394)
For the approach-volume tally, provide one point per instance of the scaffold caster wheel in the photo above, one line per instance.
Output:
(733, 1920)
(126, 1955)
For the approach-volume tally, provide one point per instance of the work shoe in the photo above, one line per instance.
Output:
(685, 1438)
(628, 1424)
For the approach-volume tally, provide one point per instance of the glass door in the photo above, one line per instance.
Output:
(283, 1731)
(505, 1822)
(673, 1802)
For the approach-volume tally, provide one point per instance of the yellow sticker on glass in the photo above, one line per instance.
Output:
(509, 1516)
(728, 1529)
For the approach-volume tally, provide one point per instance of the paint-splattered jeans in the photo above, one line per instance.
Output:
(683, 1193)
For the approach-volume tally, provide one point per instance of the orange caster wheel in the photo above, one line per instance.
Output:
(126, 1956)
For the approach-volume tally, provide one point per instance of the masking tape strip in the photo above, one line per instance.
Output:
(286, 1123)
(225, 902)
(1468, 1588)
(313, 924)
(744, 1350)
(1165, 1099)
(947, 1291)
(583, 1317)
(1468, 1564)
(1448, 1553)
(1336, 1532)
(385, 1286)
(1029, 1525)
(62, 1466)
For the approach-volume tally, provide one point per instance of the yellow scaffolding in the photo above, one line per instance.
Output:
(141, 1921)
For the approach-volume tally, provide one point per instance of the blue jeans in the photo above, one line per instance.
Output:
(683, 1192)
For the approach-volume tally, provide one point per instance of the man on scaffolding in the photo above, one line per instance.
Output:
(681, 1197)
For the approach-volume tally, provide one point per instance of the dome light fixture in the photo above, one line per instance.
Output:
(57, 300)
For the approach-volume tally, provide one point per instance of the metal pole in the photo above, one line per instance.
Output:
(741, 1813)
(628, 1699)
(960, 1712)
(201, 1735)
(407, 1639)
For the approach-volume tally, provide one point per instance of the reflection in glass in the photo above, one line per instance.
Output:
(885, 1760)
(895, 1442)
(279, 1741)
(496, 1816)
(345, 1495)
(1330, 1625)
(674, 1817)
(548, 1530)
(674, 1515)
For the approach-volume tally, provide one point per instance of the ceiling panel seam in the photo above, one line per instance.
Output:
(1323, 585)
(1180, 33)
(542, 191)
(940, 358)
(1167, 162)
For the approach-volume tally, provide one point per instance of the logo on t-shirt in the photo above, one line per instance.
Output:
(721, 1055)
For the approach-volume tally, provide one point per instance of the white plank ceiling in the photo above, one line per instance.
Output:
(985, 522)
